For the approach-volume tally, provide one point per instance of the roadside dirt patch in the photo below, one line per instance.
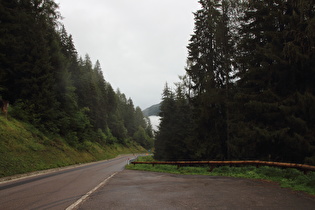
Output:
(150, 190)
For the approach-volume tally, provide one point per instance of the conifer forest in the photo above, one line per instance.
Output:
(49, 86)
(248, 92)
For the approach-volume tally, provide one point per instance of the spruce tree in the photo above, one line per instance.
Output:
(271, 76)
(210, 65)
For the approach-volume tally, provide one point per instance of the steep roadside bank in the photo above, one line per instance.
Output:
(24, 149)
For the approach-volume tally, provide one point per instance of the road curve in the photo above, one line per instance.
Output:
(60, 189)
(149, 190)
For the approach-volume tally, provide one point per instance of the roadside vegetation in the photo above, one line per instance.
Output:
(23, 148)
(248, 92)
(44, 82)
(57, 108)
(288, 178)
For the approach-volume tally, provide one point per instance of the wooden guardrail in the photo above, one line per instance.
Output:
(213, 164)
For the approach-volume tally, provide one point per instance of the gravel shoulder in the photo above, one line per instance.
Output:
(151, 190)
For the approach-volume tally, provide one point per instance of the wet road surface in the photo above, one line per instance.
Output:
(150, 190)
(59, 189)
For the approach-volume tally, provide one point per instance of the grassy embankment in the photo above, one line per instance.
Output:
(25, 149)
(289, 178)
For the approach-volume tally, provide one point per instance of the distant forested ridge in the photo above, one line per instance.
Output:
(249, 88)
(49, 86)
(153, 110)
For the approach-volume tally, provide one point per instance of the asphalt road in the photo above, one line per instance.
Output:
(59, 189)
(105, 185)
(149, 190)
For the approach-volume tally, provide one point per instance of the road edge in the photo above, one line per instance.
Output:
(84, 197)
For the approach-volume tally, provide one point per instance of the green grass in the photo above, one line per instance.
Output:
(288, 178)
(24, 149)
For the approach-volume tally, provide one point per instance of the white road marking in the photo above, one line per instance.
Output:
(84, 197)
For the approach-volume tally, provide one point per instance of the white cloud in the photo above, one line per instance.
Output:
(155, 122)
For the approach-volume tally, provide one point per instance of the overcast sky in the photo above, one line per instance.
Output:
(141, 44)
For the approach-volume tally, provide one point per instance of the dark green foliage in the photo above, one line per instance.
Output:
(142, 138)
(49, 87)
(29, 48)
(249, 84)
(274, 87)
(172, 142)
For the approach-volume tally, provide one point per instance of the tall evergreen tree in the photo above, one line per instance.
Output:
(163, 143)
(249, 73)
(210, 59)
(172, 138)
(31, 60)
(270, 77)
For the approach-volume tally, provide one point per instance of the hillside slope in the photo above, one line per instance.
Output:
(24, 149)
(153, 110)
